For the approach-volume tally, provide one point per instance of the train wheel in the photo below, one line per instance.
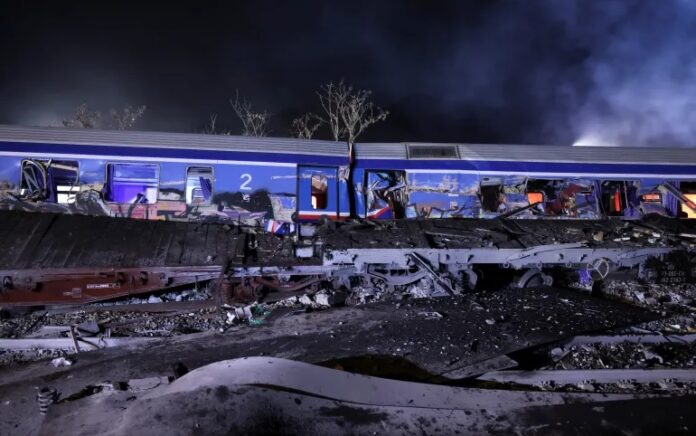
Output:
(533, 278)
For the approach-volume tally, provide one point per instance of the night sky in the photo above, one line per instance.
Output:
(556, 71)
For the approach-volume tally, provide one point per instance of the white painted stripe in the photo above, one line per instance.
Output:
(144, 159)
(585, 162)
(316, 213)
(189, 146)
(546, 175)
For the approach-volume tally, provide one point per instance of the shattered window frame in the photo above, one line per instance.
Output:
(487, 182)
(190, 198)
(29, 193)
(108, 191)
(396, 201)
(624, 201)
(688, 189)
(52, 191)
(579, 204)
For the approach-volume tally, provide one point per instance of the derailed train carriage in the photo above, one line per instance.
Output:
(486, 180)
(167, 176)
(276, 182)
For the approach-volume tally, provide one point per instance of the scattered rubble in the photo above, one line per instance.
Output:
(61, 361)
(674, 381)
(676, 303)
(625, 355)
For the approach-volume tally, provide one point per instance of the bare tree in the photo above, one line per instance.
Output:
(83, 118)
(253, 123)
(306, 125)
(348, 111)
(126, 118)
(359, 113)
(333, 97)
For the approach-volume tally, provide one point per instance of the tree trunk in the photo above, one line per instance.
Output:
(352, 191)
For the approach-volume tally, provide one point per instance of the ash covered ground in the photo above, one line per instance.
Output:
(669, 311)
(411, 336)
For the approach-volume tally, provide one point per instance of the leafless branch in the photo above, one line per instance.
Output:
(210, 128)
(125, 119)
(83, 118)
(332, 97)
(253, 123)
(358, 113)
(348, 111)
(121, 120)
(306, 125)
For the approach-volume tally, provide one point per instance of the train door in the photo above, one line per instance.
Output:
(318, 192)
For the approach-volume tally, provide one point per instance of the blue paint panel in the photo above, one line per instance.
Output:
(179, 153)
(359, 192)
(252, 178)
(533, 167)
(444, 194)
(343, 199)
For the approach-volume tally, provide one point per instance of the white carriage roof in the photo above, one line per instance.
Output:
(59, 135)
(394, 150)
(536, 153)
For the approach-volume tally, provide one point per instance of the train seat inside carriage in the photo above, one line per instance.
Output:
(557, 197)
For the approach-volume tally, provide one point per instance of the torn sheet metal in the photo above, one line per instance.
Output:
(258, 394)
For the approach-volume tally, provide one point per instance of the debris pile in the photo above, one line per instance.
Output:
(676, 303)
(625, 355)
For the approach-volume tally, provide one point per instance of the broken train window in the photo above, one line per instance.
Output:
(385, 194)
(199, 185)
(619, 197)
(688, 189)
(491, 193)
(49, 180)
(131, 183)
(320, 190)
(555, 197)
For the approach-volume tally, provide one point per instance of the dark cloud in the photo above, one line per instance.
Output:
(546, 71)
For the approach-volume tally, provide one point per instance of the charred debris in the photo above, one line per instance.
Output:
(571, 311)
(57, 259)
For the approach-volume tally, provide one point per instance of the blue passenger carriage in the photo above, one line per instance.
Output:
(172, 176)
(276, 182)
(487, 180)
